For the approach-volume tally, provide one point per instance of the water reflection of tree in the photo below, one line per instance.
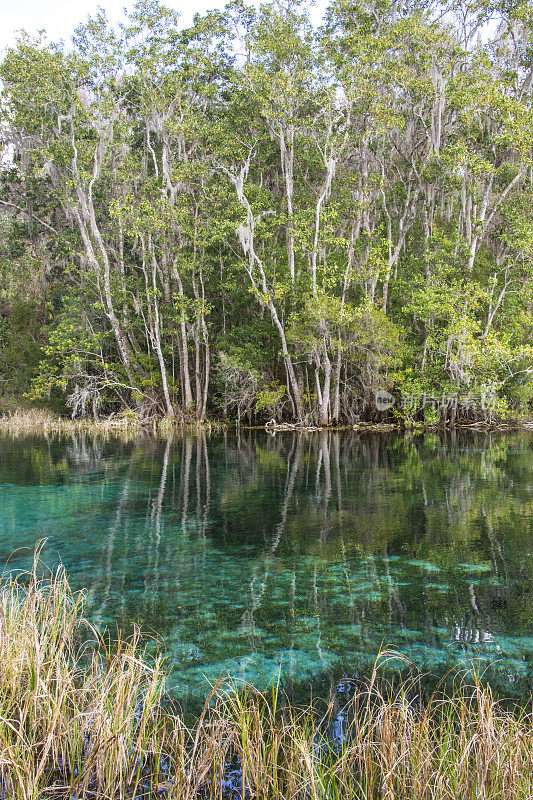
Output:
(278, 502)
(446, 498)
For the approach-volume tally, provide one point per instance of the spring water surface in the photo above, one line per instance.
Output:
(253, 554)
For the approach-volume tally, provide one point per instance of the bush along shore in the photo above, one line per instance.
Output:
(93, 721)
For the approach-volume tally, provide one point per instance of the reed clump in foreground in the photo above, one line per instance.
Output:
(80, 721)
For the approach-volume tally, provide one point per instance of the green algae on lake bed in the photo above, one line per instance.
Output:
(304, 553)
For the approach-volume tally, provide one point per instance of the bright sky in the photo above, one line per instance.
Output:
(60, 17)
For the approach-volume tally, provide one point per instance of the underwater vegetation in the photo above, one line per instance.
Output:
(82, 716)
(246, 552)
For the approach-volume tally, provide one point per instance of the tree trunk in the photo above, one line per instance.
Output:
(323, 417)
(157, 341)
(337, 386)
(188, 401)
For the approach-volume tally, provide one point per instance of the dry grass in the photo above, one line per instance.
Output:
(41, 421)
(35, 420)
(89, 722)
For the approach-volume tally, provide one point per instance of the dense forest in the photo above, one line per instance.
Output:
(256, 217)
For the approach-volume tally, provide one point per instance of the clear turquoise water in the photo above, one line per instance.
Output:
(303, 553)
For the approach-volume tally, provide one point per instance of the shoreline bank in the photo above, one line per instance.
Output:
(42, 421)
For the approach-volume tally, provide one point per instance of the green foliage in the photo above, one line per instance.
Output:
(20, 347)
(254, 215)
(269, 397)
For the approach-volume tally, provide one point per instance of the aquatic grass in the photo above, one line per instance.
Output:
(35, 420)
(83, 717)
(24, 421)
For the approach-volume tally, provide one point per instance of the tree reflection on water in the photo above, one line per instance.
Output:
(247, 551)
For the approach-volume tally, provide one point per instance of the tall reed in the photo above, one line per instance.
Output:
(36, 420)
(43, 421)
(81, 720)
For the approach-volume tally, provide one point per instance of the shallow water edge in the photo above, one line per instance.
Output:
(97, 723)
